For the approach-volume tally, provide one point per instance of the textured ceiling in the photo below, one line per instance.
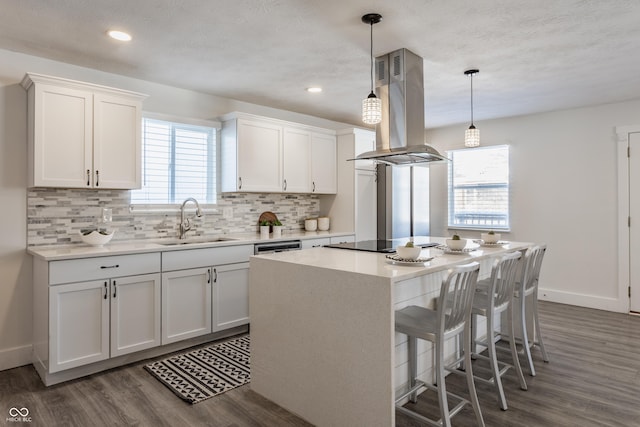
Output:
(533, 55)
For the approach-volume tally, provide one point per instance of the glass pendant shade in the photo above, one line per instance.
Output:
(472, 137)
(372, 109)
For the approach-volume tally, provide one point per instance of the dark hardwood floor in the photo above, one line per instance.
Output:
(593, 379)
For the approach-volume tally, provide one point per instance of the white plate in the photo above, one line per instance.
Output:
(448, 250)
(396, 260)
(491, 245)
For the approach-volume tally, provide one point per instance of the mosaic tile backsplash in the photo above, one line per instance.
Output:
(56, 216)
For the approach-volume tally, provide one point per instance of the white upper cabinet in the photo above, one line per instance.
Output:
(324, 179)
(82, 135)
(265, 155)
(296, 158)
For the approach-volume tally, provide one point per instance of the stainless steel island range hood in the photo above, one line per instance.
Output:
(400, 134)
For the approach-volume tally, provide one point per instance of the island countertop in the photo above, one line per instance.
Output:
(377, 264)
(323, 341)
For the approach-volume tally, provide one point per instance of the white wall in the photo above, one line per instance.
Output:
(15, 264)
(564, 193)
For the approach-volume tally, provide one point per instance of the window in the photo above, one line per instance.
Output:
(178, 161)
(479, 188)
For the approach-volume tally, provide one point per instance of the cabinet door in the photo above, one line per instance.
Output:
(323, 164)
(259, 156)
(186, 304)
(135, 313)
(315, 243)
(230, 296)
(79, 324)
(366, 205)
(61, 144)
(117, 142)
(296, 159)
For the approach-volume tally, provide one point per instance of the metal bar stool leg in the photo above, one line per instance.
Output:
(537, 326)
(514, 350)
(469, 374)
(493, 360)
(525, 336)
(413, 366)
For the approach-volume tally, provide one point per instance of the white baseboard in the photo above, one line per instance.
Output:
(14, 357)
(589, 301)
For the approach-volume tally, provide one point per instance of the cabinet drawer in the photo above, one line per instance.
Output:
(77, 270)
(194, 258)
(315, 243)
(343, 239)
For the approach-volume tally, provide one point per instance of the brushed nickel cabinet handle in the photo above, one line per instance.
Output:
(106, 291)
(284, 187)
(314, 187)
(240, 181)
(114, 289)
(215, 275)
(208, 275)
(88, 177)
(110, 266)
(97, 178)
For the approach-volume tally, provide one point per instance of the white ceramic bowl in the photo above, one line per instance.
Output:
(490, 238)
(456, 245)
(96, 238)
(408, 252)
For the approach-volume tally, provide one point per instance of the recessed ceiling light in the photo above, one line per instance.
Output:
(314, 89)
(119, 35)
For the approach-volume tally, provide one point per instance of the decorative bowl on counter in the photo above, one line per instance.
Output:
(456, 245)
(96, 238)
(408, 252)
(490, 237)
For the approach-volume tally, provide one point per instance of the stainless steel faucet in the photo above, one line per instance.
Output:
(185, 223)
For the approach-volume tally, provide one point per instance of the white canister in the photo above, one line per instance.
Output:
(323, 223)
(311, 224)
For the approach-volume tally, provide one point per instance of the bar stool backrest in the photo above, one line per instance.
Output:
(456, 298)
(503, 279)
(531, 272)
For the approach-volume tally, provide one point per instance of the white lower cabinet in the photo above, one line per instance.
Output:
(186, 304)
(79, 328)
(135, 313)
(315, 243)
(92, 321)
(230, 296)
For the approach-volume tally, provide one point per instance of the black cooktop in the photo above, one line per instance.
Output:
(384, 246)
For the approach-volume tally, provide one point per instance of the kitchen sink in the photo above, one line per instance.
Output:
(197, 241)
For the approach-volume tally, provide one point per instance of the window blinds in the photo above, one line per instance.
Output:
(479, 188)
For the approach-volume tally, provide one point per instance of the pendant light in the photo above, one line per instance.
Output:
(371, 105)
(471, 135)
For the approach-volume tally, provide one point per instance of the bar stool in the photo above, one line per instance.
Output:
(452, 318)
(528, 287)
(497, 300)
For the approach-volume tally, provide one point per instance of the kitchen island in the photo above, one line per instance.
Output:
(323, 343)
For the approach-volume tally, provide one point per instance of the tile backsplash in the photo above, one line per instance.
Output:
(55, 216)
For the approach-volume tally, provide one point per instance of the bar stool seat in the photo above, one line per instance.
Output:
(452, 318)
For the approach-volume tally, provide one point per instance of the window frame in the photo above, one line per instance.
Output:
(170, 207)
(450, 201)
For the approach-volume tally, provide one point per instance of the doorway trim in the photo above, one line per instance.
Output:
(624, 280)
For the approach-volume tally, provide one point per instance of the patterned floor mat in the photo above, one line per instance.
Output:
(205, 372)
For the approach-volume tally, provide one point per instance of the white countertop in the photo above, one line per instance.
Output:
(376, 264)
(62, 252)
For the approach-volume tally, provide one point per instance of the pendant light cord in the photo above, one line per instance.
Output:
(371, 55)
(471, 98)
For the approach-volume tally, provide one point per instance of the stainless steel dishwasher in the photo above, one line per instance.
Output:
(273, 247)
